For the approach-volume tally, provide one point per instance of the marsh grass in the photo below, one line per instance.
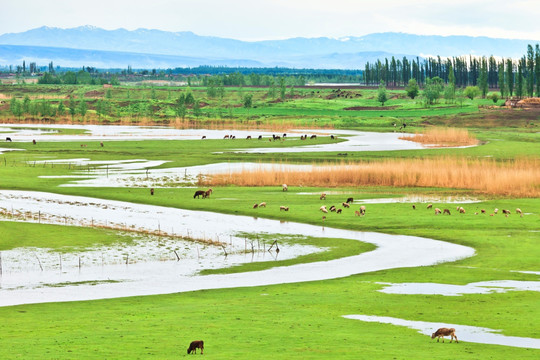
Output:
(518, 177)
(442, 137)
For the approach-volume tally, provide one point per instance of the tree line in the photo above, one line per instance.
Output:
(512, 77)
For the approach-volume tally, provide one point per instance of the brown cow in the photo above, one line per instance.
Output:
(199, 193)
(430, 206)
(199, 344)
(349, 200)
(363, 210)
(207, 193)
(323, 196)
(437, 211)
(346, 205)
(446, 211)
(286, 208)
(442, 332)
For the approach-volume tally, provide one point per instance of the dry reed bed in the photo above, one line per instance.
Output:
(441, 137)
(516, 178)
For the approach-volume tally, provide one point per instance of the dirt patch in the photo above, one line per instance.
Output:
(94, 93)
(371, 107)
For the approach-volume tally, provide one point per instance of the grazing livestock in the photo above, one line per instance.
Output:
(198, 344)
(226, 137)
(363, 210)
(414, 207)
(101, 143)
(285, 187)
(198, 193)
(83, 145)
(333, 208)
(207, 193)
(437, 211)
(518, 211)
(357, 213)
(8, 139)
(34, 141)
(248, 137)
(260, 137)
(446, 211)
(338, 211)
(483, 211)
(442, 332)
(461, 210)
(203, 137)
(496, 211)
(285, 208)
(313, 137)
(255, 206)
(345, 205)
(506, 212)
(151, 191)
(263, 204)
(349, 200)
(332, 137)
(323, 209)
(322, 197)
(429, 206)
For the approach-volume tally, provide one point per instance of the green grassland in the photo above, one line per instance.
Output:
(290, 321)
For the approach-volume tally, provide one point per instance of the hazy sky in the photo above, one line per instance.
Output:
(279, 19)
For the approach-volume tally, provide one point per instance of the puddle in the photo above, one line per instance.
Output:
(161, 277)
(483, 287)
(463, 332)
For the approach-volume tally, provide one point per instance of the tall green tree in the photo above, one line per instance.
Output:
(72, 107)
(530, 70)
(412, 88)
(537, 69)
(502, 85)
(520, 80)
(382, 96)
(483, 78)
(15, 107)
(432, 90)
(510, 76)
(248, 102)
(83, 108)
(282, 88)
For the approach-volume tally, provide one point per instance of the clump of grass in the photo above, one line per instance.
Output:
(520, 177)
(441, 137)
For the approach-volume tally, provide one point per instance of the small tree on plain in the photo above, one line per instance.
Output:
(382, 96)
(412, 89)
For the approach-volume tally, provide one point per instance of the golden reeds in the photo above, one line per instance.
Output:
(518, 178)
(440, 137)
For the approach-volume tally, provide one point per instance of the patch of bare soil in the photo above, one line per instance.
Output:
(94, 93)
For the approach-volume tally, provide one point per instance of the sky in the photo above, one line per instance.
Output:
(253, 20)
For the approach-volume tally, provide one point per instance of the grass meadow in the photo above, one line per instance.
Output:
(303, 320)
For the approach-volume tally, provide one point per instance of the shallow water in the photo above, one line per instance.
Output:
(483, 287)
(146, 278)
(463, 332)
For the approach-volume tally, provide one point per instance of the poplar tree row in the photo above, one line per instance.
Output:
(511, 77)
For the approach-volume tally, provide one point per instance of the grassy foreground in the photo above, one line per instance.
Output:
(294, 321)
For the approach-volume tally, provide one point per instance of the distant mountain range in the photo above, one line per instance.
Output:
(143, 48)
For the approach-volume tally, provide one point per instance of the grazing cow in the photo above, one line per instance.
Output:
(198, 193)
(284, 135)
(506, 212)
(338, 211)
(198, 344)
(323, 209)
(446, 211)
(285, 208)
(8, 139)
(260, 137)
(151, 191)
(349, 200)
(263, 204)
(357, 213)
(34, 141)
(332, 137)
(285, 187)
(226, 137)
(346, 205)
(255, 206)
(248, 137)
(313, 137)
(363, 210)
(430, 206)
(101, 143)
(496, 211)
(461, 210)
(442, 332)
(333, 208)
(414, 207)
(437, 211)
(518, 211)
(203, 137)
(483, 211)
(322, 197)
(207, 193)
(83, 145)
